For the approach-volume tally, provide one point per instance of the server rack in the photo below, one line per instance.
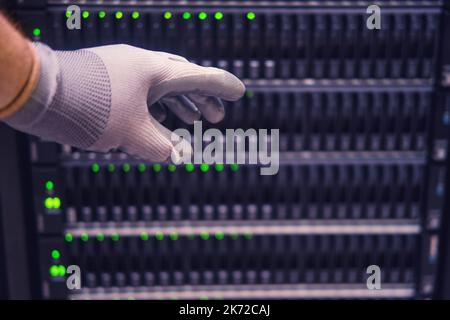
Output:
(363, 116)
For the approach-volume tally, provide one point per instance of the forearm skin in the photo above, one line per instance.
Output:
(19, 65)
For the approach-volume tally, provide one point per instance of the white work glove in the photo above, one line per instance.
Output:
(97, 99)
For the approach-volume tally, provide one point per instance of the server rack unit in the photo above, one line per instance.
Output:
(363, 116)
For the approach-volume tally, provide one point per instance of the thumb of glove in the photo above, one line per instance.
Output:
(151, 141)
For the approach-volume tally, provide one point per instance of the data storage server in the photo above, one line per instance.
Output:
(364, 121)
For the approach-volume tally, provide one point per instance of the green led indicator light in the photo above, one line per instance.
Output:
(186, 15)
(173, 236)
(111, 167)
(95, 168)
(251, 15)
(159, 236)
(204, 167)
(135, 15)
(102, 14)
(219, 235)
(54, 271)
(56, 203)
(234, 236)
(218, 15)
(202, 15)
(84, 237)
(157, 167)
(234, 167)
(68, 14)
(48, 203)
(126, 167)
(167, 15)
(219, 167)
(144, 236)
(142, 167)
(100, 237)
(56, 254)
(68, 237)
(36, 32)
(49, 185)
(57, 271)
(249, 94)
(171, 167)
(52, 203)
(62, 270)
(204, 298)
(119, 15)
(85, 14)
(189, 167)
(115, 237)
(204, 235)
(248, 235)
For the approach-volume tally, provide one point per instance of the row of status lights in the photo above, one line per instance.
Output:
(59, 271)
(167, 15)
(136, 15)
(55, 202)
(189, 167)
(144, 236)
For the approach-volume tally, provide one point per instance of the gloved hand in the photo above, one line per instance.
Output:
(96, 99)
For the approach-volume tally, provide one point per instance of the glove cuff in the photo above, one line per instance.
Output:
(44, 92)
(71, 104)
